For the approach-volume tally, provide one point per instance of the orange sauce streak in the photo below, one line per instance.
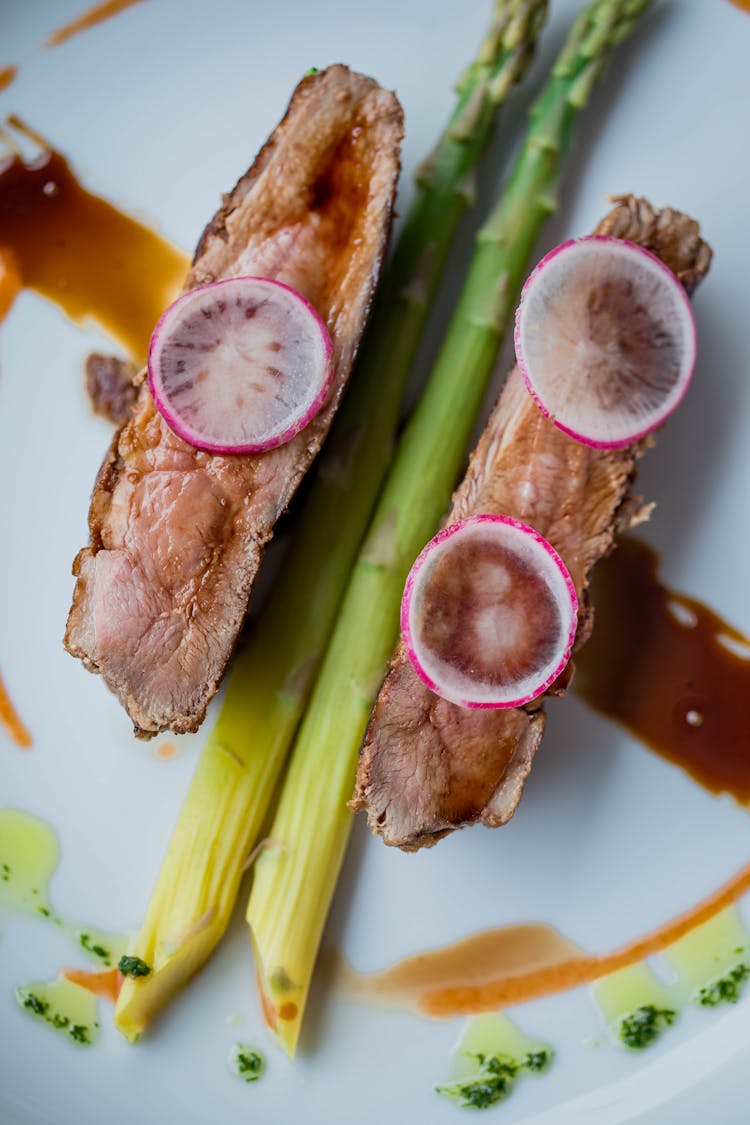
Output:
(510, 965)
(267, 1007)
(671, 670)
(106, 984)
(518, 988)
(93, 16)
(471, 961)
(10, 720)
(743, 5)
(7, 74)
(81, 252)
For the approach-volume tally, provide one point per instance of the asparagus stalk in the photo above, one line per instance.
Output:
(272, 677)
(294, 883)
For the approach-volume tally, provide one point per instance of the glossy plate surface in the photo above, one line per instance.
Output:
(160, 110)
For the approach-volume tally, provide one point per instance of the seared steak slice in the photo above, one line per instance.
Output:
(428, 766)
(177, 534)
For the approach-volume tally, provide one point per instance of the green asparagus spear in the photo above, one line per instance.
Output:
(272, 678)
(294, 883)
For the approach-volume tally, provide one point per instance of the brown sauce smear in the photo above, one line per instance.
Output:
(7, 75)
(11, 722)
(93, 16)
(497, 968)
(87, 257)
(670, 669)
(743, 5)
(80, 251)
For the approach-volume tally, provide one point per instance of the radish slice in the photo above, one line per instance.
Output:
(240, 366)
(489, 613)
(605, 340)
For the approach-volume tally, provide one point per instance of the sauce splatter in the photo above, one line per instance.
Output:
(7, 75)
(743, 5)
(717, 950)
(165, 751)
(79, 251)
(491, 970)
(29, 855)
(10, 720)
(89, 258)
(245, 1062)
(672, 671)
(63, 1006)
(91, 18)
(472, 961)
(491, 1055)
(105, 983)
(636, 1006)
(709, 966)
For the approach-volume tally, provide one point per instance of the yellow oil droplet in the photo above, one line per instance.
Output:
(63, 1006)
(624, 995)
(710, 952)
(491, 1054)
(493, 1034)
(102, 947)
(29, 854)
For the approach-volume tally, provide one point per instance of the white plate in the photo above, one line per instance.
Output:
(160, 110)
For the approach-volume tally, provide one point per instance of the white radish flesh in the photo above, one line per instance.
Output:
(489, 613)
(605, 340)
(240, 366)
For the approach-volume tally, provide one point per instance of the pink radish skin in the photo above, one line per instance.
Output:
(564, 597)
(320, 362)
(685, 317)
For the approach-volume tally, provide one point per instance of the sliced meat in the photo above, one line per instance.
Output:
(177, 534)
(111, 386)
(427, 766)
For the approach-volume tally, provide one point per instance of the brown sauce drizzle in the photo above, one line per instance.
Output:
(670, 669)
(11, 722)
(86, 256)
(93, 16)
(7, 75)
(497, 968)
(743, 5)
(80, 251)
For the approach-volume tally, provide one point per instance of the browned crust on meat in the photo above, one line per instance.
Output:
(428, 767)
(338, 124)
(229, 202)
(111, 386)
(671, 235)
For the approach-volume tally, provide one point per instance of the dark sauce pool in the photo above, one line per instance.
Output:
(671, 670)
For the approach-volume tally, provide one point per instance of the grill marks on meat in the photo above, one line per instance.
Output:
(427, 766)
(176, 533)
